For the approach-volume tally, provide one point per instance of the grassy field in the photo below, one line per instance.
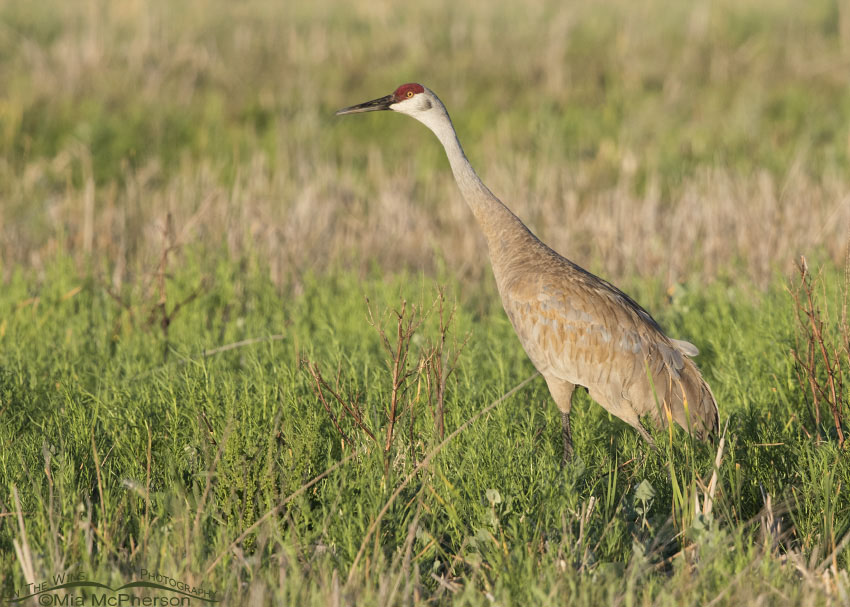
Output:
(203, 272)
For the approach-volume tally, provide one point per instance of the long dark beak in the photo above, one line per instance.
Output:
(370, 106)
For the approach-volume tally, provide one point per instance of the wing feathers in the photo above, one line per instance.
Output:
(583, 330)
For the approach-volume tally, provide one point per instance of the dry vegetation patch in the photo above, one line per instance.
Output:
(683, 141)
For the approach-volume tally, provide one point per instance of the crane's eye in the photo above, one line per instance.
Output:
(409, 94)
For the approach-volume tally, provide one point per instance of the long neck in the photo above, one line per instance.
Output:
(492, 215)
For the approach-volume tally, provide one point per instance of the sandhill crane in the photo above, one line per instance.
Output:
(577, 329)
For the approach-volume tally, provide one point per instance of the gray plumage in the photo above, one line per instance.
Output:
(577, 329)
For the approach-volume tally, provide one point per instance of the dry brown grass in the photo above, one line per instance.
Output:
(700, 172)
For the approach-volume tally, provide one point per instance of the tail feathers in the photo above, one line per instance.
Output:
(685, 347)
(702, 406)
(688, 397)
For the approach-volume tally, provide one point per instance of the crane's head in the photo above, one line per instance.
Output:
(412, 99)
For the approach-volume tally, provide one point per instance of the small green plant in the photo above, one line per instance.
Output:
(644, 496)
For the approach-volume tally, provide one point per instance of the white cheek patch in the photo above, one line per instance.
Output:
(402, 106)
(412, 105)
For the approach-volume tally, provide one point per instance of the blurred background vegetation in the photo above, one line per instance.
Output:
(665, 139)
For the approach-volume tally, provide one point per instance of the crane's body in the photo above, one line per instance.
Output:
(577, 329)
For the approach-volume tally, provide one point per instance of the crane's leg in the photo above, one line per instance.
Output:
(623, 409)
(562, 393)
(631, 418)
(566, 437)
(645, 435)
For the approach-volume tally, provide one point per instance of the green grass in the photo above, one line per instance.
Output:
(130, 449)
(688, 152)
